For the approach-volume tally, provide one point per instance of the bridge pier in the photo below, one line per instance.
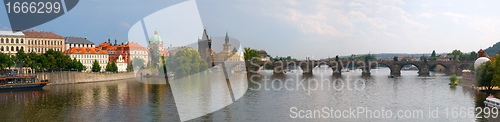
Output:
(336, 68)
(307, 68)
(423, 70)
(395, 70)
(279, 67)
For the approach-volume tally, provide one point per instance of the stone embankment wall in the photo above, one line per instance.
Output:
(68, 77)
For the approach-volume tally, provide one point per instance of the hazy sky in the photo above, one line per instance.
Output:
(305, 28)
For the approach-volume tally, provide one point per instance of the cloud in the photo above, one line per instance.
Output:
(355, 4)
(455, 16)
(481, 6)
(124, 24)
(427, 15)
(426, 5)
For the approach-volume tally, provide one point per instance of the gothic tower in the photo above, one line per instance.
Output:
(205, 48)
(227, 46)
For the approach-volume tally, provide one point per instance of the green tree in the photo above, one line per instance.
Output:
(5, 61)
(250, 53)
(453, 79)
(44, 62)
(108, 68)
(114, 68)
(75, 64)
(154, 52)
(95, 66)
(82, 67)
(138, 62)
(52, 62)
(484, 75)
(187, 62)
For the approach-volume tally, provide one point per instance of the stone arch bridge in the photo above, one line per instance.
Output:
(279, 67)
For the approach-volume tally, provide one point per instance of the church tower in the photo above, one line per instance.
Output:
(205, 49)
(227, 46)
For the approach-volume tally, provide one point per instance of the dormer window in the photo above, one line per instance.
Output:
(87, 50)
(79, 50)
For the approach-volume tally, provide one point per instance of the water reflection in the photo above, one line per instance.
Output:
(130, 100)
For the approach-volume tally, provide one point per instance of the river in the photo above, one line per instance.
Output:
(265, 97)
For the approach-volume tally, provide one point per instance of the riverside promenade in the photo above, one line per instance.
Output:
(69, 77)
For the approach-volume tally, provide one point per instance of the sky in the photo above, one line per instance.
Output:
(315, 28)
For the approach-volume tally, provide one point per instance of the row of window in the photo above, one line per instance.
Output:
(138, 52)
(138, 57)
(6, 40)
(80, 45)
(6, 48)
(44, 42)
(91, 61)
(89, 56)
(42, 50)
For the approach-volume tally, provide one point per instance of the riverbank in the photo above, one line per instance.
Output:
(472, 82)
(72, 77)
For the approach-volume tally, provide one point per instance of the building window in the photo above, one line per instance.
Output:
(1, 41)
(22, 40)
(12, 48)
(1, 48)
(7, 48)
(11, 40)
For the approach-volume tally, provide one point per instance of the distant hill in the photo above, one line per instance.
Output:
(491, 51)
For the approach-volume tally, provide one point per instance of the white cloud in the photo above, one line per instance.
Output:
(124, 24)
(481, 6)
(355, 4)
(426, 5)
(456, 17)
(427, 15)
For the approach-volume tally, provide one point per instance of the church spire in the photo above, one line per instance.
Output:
(116, 42)
(85, 34)
(227, 39)
(205, 35)
(109, 39)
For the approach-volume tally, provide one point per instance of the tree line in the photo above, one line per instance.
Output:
(50, 60)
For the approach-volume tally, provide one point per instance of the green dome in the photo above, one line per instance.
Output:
(155, 37)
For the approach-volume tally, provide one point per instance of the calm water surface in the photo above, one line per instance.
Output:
(266, 98)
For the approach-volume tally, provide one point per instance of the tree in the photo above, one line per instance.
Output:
(52, 62)
(186, 62)
(453, 79)
(154, 52)
(484, 75)
(5, 61)
(96, 67)
(75, 64)
(44, 62)
(138, 62)
(108, 68)
(250, 53)
(114, 68)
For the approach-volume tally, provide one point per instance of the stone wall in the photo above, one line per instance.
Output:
(67, 77)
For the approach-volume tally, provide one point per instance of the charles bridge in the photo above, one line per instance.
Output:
(280, 67)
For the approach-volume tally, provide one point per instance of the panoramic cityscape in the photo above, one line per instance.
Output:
(283, 60)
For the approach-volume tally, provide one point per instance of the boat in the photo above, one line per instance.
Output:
(344, 70)
(491, 101)
(21, 82)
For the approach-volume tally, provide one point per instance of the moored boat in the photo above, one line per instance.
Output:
(491, 101)
(21, 82)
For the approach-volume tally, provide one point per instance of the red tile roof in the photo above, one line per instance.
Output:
(86, 50)
(40, 34)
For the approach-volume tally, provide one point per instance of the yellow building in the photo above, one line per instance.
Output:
(11, 42)
(41, 42)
